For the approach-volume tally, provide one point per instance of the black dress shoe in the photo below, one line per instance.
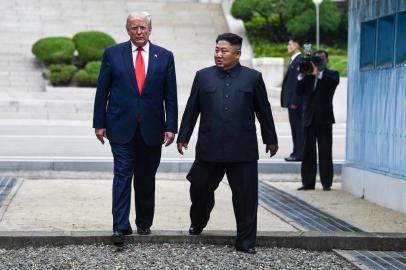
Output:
(305, 188)
(326, 188)
(293, 159)
(127, 232)
(117, 239)
(194, 231)
(246, 250)
(142, 231)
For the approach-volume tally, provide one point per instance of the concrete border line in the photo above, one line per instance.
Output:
(10, 197)
(298, 226)
(281, 216)
(93, 165)
(302, 240)
(351, 259)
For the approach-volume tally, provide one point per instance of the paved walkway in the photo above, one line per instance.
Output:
(76, 140)
(82, 202)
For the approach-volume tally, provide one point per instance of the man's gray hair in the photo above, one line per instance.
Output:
(143, 15)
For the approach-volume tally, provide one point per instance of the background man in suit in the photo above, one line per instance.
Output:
(137, 78)
(290, 100)
(318, 89)
(227, 97)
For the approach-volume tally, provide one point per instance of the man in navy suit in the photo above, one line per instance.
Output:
(227, 97)
(292, 101)
(136, 109)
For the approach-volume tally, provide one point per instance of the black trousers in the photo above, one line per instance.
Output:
(323, 136)
(296, 126)
(138, 160)
(242, 177)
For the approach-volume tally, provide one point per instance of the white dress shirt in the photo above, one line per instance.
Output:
(144, 53)
(293, 57)
(319, 77)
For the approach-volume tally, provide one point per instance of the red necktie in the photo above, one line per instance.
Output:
(139, 70)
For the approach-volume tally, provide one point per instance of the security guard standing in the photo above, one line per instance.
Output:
(227, 97)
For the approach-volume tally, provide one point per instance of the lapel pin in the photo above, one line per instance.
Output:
(156, 56)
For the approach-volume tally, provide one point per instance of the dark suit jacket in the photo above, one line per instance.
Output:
(227, 104)
(318, 102)
(289, 85)
(120, 108)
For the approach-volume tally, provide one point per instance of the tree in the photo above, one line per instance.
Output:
(278, 19)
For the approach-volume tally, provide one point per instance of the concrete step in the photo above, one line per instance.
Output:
(186, 27)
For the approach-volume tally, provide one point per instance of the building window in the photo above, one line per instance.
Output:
(386, 40)
(368, 45)
(401, 39)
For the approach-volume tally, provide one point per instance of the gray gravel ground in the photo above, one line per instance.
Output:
(166, 256)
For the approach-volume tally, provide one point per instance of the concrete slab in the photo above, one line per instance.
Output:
(82, 204)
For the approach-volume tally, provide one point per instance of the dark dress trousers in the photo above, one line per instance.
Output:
(135, 125)
(318, 118)
(227, 103)
(289, 97)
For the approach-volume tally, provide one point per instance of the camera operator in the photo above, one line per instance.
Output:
(317, 85)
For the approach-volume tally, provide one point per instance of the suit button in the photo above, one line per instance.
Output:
(226, 108)
(227, 96)
(228, 84)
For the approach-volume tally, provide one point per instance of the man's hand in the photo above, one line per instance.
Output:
(100, 134)
(273, 148)
(181, 146)
(169, 137)
(293, 107)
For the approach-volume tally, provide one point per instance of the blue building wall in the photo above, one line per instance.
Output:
(376, 119)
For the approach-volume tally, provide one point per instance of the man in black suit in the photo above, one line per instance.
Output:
(227, 97)
(290, 100)
(318, 89)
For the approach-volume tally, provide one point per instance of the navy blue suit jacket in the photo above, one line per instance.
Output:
(288, 94)
(120, 108)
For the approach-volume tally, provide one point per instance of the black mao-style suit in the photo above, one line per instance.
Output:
(318, 117)
(290, 97)
(227, 103)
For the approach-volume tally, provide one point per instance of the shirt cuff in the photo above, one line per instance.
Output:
(320, 75)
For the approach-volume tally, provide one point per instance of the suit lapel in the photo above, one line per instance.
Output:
(152, 61)
(128, 62)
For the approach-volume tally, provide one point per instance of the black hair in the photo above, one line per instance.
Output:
(297, 40)
(323, 52)
(231, 38)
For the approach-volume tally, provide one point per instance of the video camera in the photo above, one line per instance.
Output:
(305, 65)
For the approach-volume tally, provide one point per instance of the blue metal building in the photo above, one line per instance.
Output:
(375, 166)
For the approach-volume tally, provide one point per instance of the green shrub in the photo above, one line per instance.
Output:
(61, 74)
(264, 48)
(91, 45)
(89, 75)
(339, 63)
(53, 50)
